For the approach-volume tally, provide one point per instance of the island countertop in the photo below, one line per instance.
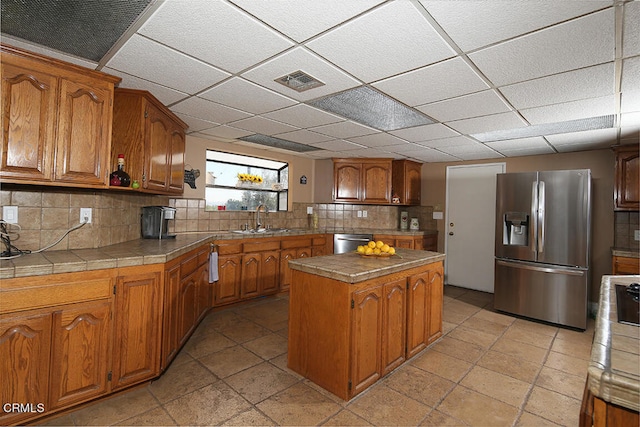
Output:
(614, 368)
(355, 268)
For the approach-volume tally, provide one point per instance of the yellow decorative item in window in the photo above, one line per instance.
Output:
(245, 177)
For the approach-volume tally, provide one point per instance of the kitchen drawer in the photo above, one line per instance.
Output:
(188, 265)
(296, 243)
(57, 289)
(261, 245)
(319, 241)
(227, 248)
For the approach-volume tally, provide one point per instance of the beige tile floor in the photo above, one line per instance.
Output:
(489, 369)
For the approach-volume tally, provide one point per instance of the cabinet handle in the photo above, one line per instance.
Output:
(146, 114)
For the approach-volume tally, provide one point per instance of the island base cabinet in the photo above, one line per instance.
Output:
(345, 337)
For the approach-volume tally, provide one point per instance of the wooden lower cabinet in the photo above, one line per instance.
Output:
(345, 337)
(227, 288)
(595, 412)
(626, 265)
(428, 242)
(25, 343)
(138, 308)
(80, 353)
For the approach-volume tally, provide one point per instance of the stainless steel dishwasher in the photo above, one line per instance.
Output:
(343, 243)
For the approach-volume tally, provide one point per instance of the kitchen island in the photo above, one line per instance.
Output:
(612, 391)
(353, 319)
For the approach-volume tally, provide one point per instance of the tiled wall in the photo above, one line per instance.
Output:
(191, 216)
(625, 224)
(44, 216)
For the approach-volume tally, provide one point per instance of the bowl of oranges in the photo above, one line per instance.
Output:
(376, 249)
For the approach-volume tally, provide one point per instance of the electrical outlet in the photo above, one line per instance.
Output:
(309, 210)
(85, 215)
(359, 214)
(636, 234)
(10, 214)
(364, 214)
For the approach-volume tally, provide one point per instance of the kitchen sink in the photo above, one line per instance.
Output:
(262, 231)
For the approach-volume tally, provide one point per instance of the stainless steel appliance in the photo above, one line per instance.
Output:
(542, 247)
(155, 222)
(343, 243)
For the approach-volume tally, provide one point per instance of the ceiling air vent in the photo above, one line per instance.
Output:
(300, 81)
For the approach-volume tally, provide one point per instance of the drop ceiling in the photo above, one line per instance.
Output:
(512, 74)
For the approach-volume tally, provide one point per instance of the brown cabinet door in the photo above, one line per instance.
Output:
(404, 242)
(170, 339)
(138, 329)
(25, 342)
(250, 283)
(205, 300)
(176, 161)
(80, 357)
(376, 180)
(158, 144)
(29, 112)
(227, 288)
(394, 319)
(187, 303)
(270, 272)
(417, 313)
(436, 288)
(347, 182)
(83, 134)
(366, 338)
(285, 271)
(627, 187)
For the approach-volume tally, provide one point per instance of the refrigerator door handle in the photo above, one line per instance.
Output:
(541, 216)
(541, 268)
(534, 213)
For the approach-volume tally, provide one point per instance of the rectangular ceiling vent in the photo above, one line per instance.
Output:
(299, 81)
(283, 144)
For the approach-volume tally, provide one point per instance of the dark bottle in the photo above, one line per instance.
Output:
(120, 178)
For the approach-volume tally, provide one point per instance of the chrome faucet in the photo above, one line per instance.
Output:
(266, 211)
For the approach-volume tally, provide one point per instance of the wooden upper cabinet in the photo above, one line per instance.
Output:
(152, 140)
(362, 181)
(406, 183)
(57, 121)
(627, 193)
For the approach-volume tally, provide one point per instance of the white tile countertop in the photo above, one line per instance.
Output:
(614, 368)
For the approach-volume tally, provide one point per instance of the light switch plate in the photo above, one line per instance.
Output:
(437, 215)
(10, 214)
(636, 234)
(309, 210)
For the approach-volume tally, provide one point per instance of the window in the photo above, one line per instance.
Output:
(238, 182)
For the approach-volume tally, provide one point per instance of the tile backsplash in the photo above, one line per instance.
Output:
(44, 215)
(625, 223)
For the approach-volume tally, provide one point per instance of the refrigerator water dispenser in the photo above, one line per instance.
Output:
(516, 226)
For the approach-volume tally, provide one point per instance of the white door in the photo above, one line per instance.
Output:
(470, 225)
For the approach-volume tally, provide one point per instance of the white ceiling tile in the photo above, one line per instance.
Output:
(215, 32)
(302, 21)
(388, 40)
(631, 29)
(376, 140)
(424, 133)
(337, 145)
(456, 141)
(466, 106)
(473, 24)
(446, 79)
(262, 125)
(346, 129)
(630, 122)
(587, 140)
(164, 94)
(154, 62)
(210, 137)
(255, 99)
(369, 152)
(631, 84)
(304, 136)
(196, 124)
(575, 44)
(227, 132)
(466, 152)
(303, 116)
(406, 148)
(522, 147)
(589, 82)
(207, 110)
(581, 109)
(488, 123)
(301, 59)
(432, 156)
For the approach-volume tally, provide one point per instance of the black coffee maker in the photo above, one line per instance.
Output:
(155, 222)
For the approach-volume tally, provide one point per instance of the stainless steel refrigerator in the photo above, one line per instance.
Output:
(543, 240)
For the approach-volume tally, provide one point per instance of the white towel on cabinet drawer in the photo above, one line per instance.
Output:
(213, 267)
